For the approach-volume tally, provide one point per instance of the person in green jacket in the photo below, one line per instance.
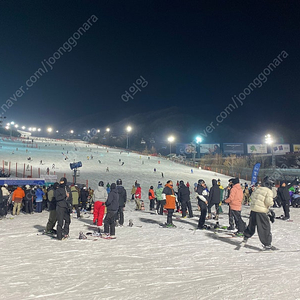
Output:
(160, 201)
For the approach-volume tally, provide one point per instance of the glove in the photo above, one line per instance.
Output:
(271, 215)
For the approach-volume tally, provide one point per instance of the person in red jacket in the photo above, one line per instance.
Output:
(17, 198)
(169, 195)
(151, 197)
(138, 196)
(235, 200)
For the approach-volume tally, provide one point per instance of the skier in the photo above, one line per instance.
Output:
(99, 197)
(261, 201)
(63, 197)
(184, 199)
(122, 202)
(53, 166)
(107, 169)
(169, 195)
(235, 200)
(202, 196)
(160, 200)
(151, 196)
(112, 205)
(214, 199)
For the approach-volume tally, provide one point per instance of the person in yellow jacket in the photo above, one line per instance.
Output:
(169, 195)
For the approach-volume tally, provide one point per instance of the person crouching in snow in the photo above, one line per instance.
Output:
(169, 195)
(99, 198)
(112, 205)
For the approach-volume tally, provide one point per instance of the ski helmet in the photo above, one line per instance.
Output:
(101, 183)
(119, 182)
(200, 181)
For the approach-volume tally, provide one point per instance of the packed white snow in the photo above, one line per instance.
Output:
(145, 261)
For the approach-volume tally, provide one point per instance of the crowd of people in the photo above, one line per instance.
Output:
(107, 203)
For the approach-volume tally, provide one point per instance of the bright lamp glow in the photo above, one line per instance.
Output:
(107, 129)
(268, 139)
(128, 128)
(198, 139)
(23, 127)
(171, 139)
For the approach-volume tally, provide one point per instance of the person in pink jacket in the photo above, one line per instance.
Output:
(235, 200)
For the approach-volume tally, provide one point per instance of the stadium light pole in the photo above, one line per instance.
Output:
(198, 142)
(128, 129)
(269, 141)
(171, 139)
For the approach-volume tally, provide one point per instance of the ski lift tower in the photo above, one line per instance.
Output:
(74, 166)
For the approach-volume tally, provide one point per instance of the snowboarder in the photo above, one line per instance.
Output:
(160, 200)
(52, 219)
(214, 199)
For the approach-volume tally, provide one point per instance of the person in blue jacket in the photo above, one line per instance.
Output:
(39, 199)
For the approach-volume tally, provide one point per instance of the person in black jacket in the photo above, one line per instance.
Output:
(284, 197)
(63, 197)
(202, 196)
(122, 201)
(112, 206)
(52, 210)
(84, 194)
(184, 199)
(28, 200)
(214, 199)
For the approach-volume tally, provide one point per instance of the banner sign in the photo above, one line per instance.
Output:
(256, 148)
(255, 172)
(21, 181)
(210, 148)
(233, 148)
(296, 147)
(281, 148)
(185, 149)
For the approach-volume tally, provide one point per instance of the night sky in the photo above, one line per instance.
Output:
(194, 54)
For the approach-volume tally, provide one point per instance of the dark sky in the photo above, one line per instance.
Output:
(194, 54)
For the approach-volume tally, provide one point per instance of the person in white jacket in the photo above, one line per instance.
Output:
(261, 201)
(99, 197)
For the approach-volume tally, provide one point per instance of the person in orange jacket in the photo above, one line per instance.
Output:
(17, 198)
(235, 200)
(169, 195)
(151, 197)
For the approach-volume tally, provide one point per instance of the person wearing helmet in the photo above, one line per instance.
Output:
(122, 201)
(99, 198)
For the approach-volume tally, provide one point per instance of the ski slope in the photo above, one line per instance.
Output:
(145, 261)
